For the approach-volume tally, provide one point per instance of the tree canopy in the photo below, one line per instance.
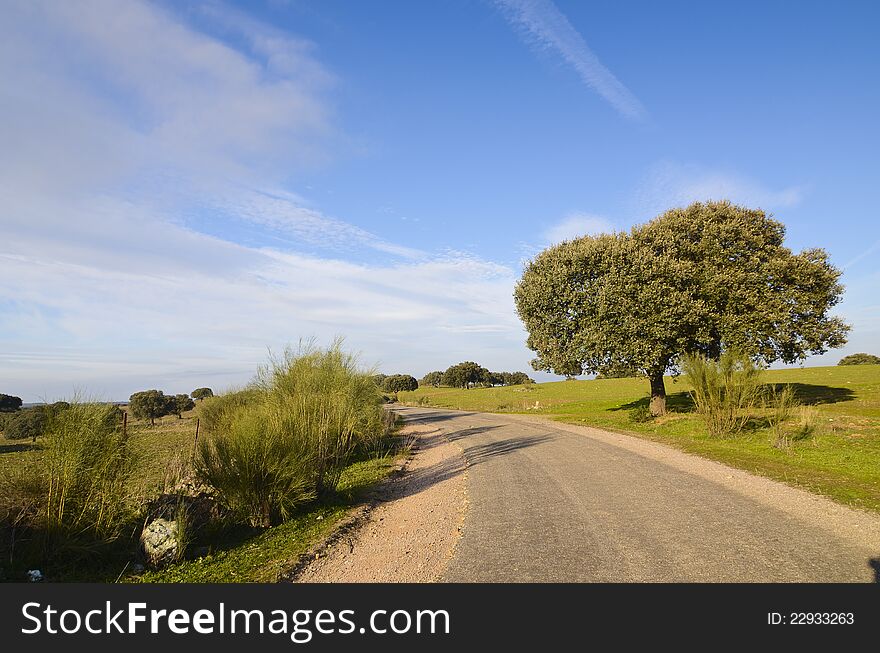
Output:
(202, 393)
(434, 379)
(703, 279)
(860, 359)
(465, 375)
(9, 403)
(179, 403)
(149, 404)
(400, 382)
(29, 423)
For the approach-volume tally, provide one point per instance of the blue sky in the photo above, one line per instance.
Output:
(186, 185)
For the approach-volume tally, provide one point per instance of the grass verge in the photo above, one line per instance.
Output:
(259, 555)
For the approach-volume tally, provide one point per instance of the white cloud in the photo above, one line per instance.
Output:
(134, 145)
(547, 28)
(575, 225)
(669, 184)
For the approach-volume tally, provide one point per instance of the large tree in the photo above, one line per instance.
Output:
(179, 404)
(705, 278)
(149, 404)
(464, 375)
(399, 383)
(432, 379)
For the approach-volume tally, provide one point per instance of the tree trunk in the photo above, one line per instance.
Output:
(658, 394)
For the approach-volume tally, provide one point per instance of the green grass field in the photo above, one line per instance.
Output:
(840, 460)
(240, 555)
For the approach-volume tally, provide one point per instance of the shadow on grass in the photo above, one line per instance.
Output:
(814, 395)
(18, 446)
(806, 394)
(677, 402)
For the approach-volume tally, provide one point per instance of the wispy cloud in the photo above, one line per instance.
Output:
(577, 224)
(141, 155)
(863, 255)
(669, 184)
(544, 26)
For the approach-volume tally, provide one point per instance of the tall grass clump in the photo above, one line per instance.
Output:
(75, 497)
(287, 438)
(783, 409)
(725, 391)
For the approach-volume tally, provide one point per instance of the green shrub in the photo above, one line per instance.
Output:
(329, 401)
(75, 496)
(783, 407)
(25, 424)
(725, 392)
(215, 412)
(256, 472)
(287, 438)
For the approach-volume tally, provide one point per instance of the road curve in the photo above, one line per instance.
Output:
(556, 502)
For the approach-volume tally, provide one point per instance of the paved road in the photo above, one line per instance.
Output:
(553, 502)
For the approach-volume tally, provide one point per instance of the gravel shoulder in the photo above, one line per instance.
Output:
(411, 533)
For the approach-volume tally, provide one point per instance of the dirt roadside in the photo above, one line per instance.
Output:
(411, 533)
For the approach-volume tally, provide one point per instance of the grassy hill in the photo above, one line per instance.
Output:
(841, 459)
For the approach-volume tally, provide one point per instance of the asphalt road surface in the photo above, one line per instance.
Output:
(554, 502)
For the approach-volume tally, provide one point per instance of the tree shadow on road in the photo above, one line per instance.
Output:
(464, 433)
(415, 481)
(413, 417)
(482, 452)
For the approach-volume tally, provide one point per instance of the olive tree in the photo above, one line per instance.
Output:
(703, 279)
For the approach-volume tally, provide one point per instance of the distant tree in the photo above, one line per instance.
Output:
(202, 393)
(860, 359)
(518, 378)
(433, 379)
(179, 404)
(9, 403)
(400, 383)
(149, 404)
(464, 375)
(379, 379)
(28, 423)
(703, 279)
(495, 378)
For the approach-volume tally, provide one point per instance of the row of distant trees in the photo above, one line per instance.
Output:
(462, 375)
(470, 375)
(150, 404)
